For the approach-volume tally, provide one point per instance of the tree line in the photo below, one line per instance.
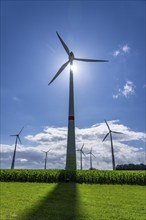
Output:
(131, 166)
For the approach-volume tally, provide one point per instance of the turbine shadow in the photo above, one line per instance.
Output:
(60, 204)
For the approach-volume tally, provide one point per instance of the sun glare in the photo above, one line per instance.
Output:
(73, 68)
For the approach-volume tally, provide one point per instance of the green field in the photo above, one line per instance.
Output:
(72, 201)
(78, 176)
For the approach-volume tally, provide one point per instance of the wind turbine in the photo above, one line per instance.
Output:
(91, 154)
(81, 152)
(46, 152)
(112, 149)
(71, 149)
(17, 139)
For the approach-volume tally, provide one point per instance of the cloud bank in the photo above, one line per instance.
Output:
(32, 157)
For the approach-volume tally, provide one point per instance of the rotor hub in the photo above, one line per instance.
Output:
(71, 56)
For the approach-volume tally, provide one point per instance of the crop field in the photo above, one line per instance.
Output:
(84, 176)
(72, 201)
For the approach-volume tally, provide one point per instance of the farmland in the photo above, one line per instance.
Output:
(75, 195)
(63, 201)
(84, 176)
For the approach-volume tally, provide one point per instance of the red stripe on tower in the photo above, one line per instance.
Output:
(71, 118)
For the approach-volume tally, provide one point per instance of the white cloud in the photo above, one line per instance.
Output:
(125, 48)
(32, 157)
(49, 135)
(115, 96)
(116, 53)
(127, 90)
(122, 50)
(22, 160)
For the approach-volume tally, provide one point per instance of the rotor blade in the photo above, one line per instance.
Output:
(19, 139)
(59, 71)
(46, 151)
(116, 132)
(21, 130)
(13, 135)
(83, 153)
(82, 146)
(107, 125)
(105, 136)
(93, 155)
(90, 60)
(88, 153)
(64, 45)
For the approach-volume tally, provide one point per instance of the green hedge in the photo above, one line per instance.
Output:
(79, 176)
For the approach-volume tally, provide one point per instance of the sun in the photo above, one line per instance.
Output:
(73, 67)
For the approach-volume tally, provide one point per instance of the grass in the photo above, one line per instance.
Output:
(71, 201)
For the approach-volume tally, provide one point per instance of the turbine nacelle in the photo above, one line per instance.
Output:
(71, 57)
(18, 135)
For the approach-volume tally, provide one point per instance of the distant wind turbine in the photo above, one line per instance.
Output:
(112, 149)
(46, 153)
(91, 154)
(71, 149)
(17, 139)
(81, 152)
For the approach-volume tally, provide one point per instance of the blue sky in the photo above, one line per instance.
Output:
(31, 54)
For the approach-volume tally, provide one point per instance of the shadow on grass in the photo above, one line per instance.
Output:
(60, 204)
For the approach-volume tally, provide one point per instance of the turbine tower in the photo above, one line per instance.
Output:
(91, 154)
(81, 152)
(71, 148)
(46, 153)
(112, 149)
(14, 154)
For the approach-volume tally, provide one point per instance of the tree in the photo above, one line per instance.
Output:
(131, 166)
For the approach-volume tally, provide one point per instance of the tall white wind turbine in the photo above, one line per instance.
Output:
(71, 149)
(91, 154)
(16, 141)
(81, 152)
(46, 154)
(112, 148)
